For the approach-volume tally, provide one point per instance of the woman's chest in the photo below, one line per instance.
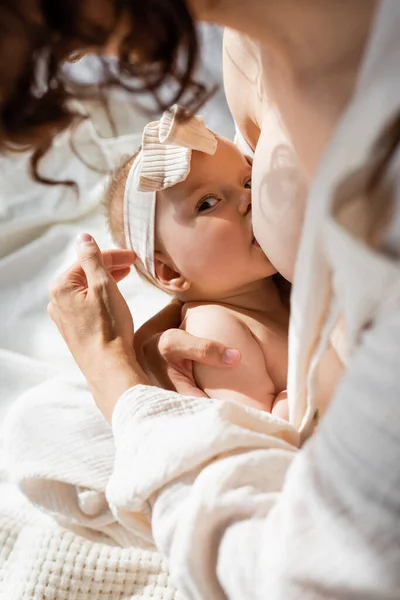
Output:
(279, 192)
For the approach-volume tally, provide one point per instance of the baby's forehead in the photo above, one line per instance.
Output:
(226, 165)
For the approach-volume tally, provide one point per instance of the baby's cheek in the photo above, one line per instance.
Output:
(214, 257)
(228, 243)
(195, 258)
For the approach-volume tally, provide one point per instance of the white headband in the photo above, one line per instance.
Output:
(163, 161)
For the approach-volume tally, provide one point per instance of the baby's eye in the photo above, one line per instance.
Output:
(247, 185)
(207, 203)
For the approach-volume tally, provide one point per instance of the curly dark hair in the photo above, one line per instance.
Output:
(155, 42)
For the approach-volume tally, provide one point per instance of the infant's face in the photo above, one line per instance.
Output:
(204, 224)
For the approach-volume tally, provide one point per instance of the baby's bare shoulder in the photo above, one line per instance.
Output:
(212, 320)
(249, 382)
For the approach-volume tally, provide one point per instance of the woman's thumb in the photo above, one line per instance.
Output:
(90, 257)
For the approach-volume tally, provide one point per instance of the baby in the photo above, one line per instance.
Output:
(183, 204)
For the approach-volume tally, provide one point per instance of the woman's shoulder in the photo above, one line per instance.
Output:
(239, 47)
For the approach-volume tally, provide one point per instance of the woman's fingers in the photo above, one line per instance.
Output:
(93, 261)
(176, 344)
(117, 258)
(90, 259)
(116, 262)
(168, 359)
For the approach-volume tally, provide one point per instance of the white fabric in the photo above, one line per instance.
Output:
(167, 147)
(63, 464)
(73, 547)
(163, 161)
(221, 517)
(139, 218)
(40, 559)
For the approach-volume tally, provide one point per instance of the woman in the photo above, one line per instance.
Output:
(221, 517)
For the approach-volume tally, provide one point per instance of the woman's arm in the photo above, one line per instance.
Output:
(237, 517)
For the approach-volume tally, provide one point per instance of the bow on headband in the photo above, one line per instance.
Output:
(163, 161)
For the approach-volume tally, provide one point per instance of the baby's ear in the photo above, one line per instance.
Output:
(167, 275)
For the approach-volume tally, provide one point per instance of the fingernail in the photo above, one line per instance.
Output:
(84, 238)
(231, 356)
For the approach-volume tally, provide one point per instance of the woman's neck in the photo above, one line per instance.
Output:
(314, 50)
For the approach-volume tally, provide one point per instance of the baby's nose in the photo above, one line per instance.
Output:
(245, 204)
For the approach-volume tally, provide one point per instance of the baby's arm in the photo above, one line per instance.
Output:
(248, 383)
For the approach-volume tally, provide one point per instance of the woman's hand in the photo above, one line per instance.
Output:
(95, 321)
(167, 353)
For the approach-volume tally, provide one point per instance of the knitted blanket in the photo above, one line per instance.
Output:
(40, 560)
